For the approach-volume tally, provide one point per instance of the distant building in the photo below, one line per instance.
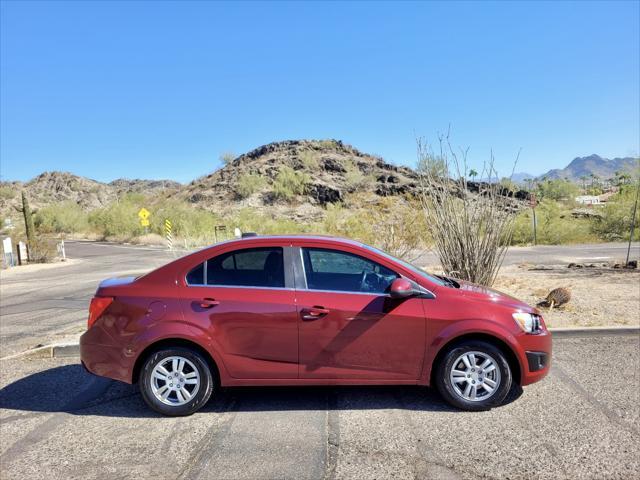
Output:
(588, 200)
(606, 196)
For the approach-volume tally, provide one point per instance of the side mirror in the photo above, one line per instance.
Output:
(402, 288)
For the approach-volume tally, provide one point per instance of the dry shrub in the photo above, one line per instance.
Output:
(471, 231)
(392, 224)
(42, 250)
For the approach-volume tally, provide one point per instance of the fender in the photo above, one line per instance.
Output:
(451, 332)
(168, 330)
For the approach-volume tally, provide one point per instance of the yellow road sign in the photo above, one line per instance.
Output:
(144, 222)
(143, 214)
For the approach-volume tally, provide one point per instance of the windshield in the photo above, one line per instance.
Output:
(409, 266)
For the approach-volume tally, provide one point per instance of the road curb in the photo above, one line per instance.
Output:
(594, 331)
(57, 350)
(66, 350)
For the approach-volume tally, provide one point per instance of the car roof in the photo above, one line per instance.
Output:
(290, 238)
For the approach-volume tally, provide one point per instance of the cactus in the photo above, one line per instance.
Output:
(28, 221)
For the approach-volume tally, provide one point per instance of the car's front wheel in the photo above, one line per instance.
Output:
(176, 381)
(474, 375)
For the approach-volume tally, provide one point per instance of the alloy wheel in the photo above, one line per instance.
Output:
(475, 376)
(175, 381)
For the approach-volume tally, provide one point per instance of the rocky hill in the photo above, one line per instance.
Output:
(53, 187)
(328, 169)
(594, 165)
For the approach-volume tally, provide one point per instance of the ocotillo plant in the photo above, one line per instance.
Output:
(471, 230)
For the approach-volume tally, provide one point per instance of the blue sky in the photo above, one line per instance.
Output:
(160, 90)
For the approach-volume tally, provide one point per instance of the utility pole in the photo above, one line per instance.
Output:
(633, 223)
(532, 202)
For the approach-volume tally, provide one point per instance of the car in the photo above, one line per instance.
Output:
(309, 310)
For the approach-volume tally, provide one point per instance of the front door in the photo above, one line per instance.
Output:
(240, 298)
(349, 326)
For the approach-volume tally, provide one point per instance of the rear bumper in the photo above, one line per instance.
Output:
(536, 356)
(104, 360)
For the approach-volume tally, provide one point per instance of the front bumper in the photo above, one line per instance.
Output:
(537, 360)
(535, 357)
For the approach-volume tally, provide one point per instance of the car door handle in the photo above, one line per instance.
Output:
(209, 302)
(314, 313)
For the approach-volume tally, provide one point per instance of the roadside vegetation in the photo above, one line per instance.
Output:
(397, 224)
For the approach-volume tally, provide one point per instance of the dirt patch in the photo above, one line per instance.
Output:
(599, 296)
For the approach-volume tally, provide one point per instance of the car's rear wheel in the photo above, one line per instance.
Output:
(474, 375)
(176, 381)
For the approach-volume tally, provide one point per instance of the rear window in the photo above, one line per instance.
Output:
(251, 267)
(196, 276)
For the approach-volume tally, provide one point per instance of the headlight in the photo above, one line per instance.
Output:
(528, 322)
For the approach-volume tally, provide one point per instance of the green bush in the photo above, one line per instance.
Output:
(355, 179)
(63, 217)
(118, 219)
(558, 190)
(393, 225)
(7, 193)
(555, 226)
(309, 161)
(615, 223)
(193, 225)
(289, 183)
(248, 184)
(249, 220)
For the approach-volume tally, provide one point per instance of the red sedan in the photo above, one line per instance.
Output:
(297, 310)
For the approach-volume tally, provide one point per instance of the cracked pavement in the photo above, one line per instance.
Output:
(582, 421)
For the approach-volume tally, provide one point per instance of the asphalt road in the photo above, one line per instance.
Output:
(582, 421)
(41, 305)
(559, 254)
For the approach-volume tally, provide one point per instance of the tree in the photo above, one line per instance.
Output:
(473, 173)
(584, 183)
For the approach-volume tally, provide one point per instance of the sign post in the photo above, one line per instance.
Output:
(167, 232)
(23, 254)
(7, 248)
(143, 214)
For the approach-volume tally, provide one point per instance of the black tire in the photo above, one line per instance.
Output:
(445, 385)
(201, 396)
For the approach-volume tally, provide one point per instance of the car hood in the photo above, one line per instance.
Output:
(486, 294)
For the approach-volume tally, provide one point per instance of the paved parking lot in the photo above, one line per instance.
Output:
(58, 422)
(583, 421)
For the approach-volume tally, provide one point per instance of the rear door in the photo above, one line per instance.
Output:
(245, 302)
(350, 328)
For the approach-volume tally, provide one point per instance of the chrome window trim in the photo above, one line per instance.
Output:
(348, 292)
(238, 286)
(304, 269)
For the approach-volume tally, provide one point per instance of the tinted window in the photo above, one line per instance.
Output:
(196, 276)
(254, 267)
(345, 272)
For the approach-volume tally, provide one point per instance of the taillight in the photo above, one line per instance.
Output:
(96, 308)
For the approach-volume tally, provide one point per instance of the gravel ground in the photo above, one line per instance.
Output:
(599, 296)
(582, 421)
